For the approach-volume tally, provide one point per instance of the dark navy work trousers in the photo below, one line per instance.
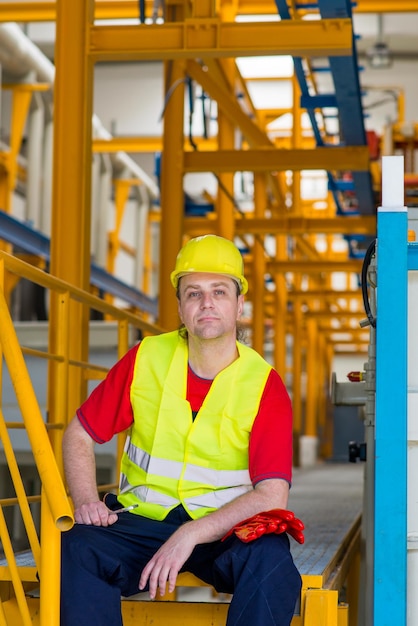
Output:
(99, 564)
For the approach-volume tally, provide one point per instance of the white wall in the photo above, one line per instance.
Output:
(128, 97)
(380, 86)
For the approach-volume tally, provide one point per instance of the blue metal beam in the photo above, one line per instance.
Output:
(345, 72)
(390, 524)
(318, 101)
(412, 256)
(26, 239)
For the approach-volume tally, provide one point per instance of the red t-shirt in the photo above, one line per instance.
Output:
(108, 411)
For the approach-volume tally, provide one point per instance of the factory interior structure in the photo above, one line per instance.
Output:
(128, 127)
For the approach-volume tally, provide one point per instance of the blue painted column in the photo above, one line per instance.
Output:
(390, 560)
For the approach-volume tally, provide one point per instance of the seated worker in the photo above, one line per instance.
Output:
(209, 445)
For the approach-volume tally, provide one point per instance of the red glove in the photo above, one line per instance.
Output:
(275, 521)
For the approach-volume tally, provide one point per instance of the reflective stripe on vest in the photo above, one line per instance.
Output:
(169, 458)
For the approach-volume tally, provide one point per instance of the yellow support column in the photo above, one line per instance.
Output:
(344, 615)
(324, 377)
(21, 97)
(122, 188)
(311, 371)
(297, 372)
(58, 396)
(172, 195)
(353, 590)
(321, 608)
(321, 378)
(225, 208)
(296, 143)
(280, 312)
(71, 193)
(259, 268)
(310, 437)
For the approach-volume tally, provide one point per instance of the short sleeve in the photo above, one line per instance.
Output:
(108, 410)
(271, 439)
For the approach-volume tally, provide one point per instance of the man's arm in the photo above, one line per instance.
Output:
(170, 558)
(80, 472)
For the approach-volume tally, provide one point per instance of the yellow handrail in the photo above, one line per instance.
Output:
(35, 427)
(45, 434)
(38, 276)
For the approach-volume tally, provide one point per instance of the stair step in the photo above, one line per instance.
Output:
(25, 564)
(174, 613)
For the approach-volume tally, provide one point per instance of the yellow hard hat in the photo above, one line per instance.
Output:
(212, 254)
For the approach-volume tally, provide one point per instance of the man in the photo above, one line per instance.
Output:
(210, 444)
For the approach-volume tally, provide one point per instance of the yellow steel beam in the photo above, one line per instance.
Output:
(342, 316)
(28, 12)
(246, 99)
(288, 225)
(346, 319)
(271, 159)
(306, 248)
(360, 6)
(46, 11)
(313, 266)
(197, 38)
(155, 143)
(343, 331)
(349, 348)
(256, 7)
(214, 83)
(147, 144)
(323, 294)
(349, 342)
(385, 6)
(128, 9)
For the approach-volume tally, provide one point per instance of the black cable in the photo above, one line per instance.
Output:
(191, 112)
(142, 11)
(366, 262)
(170, 93)
(204, 116)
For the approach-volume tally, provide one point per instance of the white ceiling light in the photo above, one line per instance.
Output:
(379, 55)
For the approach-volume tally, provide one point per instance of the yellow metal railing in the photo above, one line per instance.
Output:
(45, 436)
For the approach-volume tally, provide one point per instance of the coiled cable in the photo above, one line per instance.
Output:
(366, 262)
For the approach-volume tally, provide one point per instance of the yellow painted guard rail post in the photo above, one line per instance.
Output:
(49, 574)
(17, 583)
(35, 426)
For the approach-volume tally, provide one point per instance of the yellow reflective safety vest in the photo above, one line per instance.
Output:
(171, 459)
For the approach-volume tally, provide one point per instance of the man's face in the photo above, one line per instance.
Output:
(208, 305)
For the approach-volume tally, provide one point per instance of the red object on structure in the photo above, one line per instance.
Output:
(355, 377)
(275, 521)
(373, 141)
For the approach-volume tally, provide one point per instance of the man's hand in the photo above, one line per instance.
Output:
(168, 561)
(95, 514)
